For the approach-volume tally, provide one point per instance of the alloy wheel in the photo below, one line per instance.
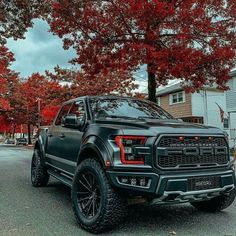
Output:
(88, 195)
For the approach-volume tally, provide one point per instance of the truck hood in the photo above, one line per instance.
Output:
(155, 127)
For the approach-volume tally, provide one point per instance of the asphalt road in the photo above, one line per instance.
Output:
(25, 210)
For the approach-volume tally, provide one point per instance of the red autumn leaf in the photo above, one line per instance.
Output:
(6, 58)
(189, 40)
(49, 112)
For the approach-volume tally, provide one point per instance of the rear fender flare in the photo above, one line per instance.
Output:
(40, 146)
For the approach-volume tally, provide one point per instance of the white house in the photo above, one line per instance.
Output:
(231, 105)
(209, 106)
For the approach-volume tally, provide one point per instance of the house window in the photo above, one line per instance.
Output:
(226, 123)
(158, 101)
(177, 98)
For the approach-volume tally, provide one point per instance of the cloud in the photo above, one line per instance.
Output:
(39, 51)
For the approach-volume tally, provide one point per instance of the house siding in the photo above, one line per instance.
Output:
(177, 110)
(231, 96)
(205, 103)
(231, 108)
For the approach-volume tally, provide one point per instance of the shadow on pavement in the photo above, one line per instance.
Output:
(156, 217)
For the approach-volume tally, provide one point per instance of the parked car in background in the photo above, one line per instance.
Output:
(21, 141)
(10, 141)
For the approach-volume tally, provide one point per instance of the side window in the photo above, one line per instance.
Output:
(64, 110)
(78, 110)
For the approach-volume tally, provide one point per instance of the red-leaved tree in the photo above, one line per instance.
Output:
(6, 58)
(16, 16)
(79, 83)
(5, 125)
(189, 40)
(40, 97)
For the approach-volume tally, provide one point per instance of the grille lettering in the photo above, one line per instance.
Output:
(206, 150)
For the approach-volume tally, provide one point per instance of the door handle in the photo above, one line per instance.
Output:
(62, 135)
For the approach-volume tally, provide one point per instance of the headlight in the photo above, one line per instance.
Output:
(126, 145)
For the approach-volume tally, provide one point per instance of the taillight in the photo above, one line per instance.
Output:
(126, 145)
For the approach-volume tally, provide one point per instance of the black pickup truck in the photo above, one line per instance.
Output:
(112, 150)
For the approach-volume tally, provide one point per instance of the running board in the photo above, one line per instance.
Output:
(61, 178)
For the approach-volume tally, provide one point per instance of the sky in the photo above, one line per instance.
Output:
(39, 51)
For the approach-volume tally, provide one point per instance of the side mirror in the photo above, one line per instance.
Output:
(71, 121)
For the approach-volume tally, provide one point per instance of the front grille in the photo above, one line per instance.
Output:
(190, 141)
(183, 160)
(204, 183)
(191, 153)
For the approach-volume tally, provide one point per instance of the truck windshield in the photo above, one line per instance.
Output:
(126, 109)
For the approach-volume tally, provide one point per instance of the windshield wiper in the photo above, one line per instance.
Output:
(148, 117)
(119, 117)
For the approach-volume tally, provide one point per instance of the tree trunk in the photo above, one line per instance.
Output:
(151, 86)
(29, 134)
(13, 131)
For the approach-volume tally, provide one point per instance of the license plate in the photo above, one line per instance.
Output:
(203, 183)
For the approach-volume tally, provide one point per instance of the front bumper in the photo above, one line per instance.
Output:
(174, 188)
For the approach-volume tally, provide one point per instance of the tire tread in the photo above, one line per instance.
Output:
(115, 209)
(216, 204)
(42, 177)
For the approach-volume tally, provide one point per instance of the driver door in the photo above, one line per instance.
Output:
(69, 139)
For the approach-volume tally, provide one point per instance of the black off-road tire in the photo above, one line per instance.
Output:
(39, 175)
(216, 204)
(112, 208)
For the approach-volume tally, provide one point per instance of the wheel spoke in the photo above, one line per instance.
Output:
(83, 199)
(89, 197)
(90, 186)
(83, 193)
(87, 204)
(88, 211)
(85, 185)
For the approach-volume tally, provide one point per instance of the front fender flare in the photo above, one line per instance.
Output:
(96, 145)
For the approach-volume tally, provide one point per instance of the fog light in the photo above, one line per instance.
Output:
(133, 181)
(137, 181)
(142, 182)
(124, 180)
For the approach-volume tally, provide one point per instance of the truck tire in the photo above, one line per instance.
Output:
(97, 207)
(39, 175)
(216, 204)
